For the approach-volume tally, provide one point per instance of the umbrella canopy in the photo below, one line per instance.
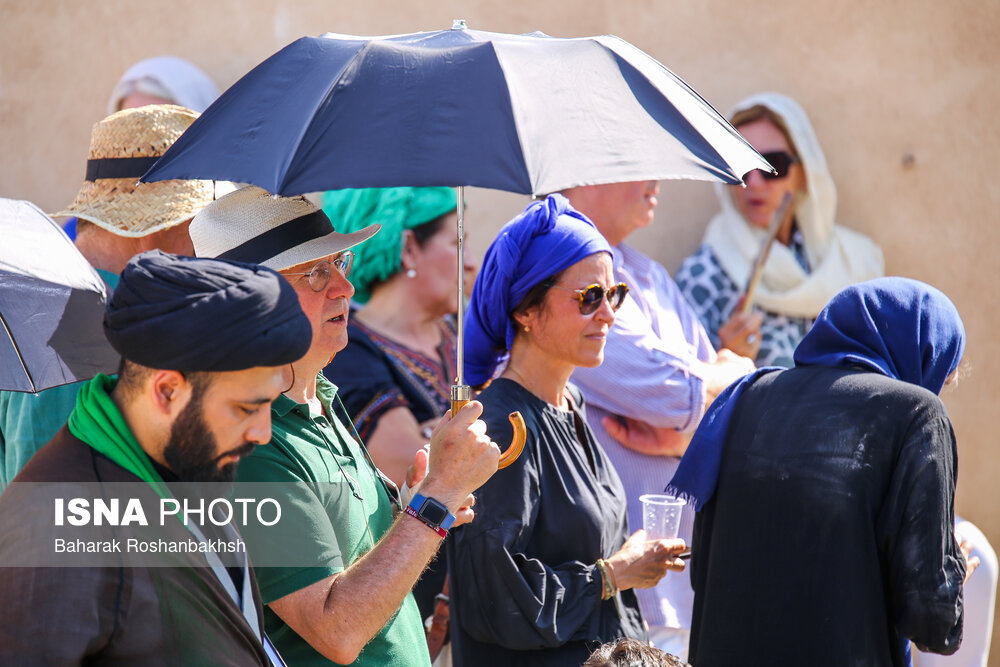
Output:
(51, 305)
(530, 114)
(524, 113)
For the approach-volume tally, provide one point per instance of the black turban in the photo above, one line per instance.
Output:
(204, 315)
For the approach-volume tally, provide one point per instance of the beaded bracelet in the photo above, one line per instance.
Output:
(610, 590)
(611, 571)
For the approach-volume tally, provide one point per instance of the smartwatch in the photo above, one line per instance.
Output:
(431, 512)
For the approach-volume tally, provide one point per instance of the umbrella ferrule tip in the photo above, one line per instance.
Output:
(458, 24)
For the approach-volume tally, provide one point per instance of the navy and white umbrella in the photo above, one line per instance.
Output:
(51, 305)
(531, 114)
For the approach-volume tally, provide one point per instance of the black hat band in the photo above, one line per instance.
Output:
(284, 237)
(119, 167)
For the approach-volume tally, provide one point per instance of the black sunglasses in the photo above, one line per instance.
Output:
(782, 161)
(592, 296)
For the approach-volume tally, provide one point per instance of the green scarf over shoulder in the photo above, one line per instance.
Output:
(98, 422)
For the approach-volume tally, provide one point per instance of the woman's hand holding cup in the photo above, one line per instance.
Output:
(641, 563)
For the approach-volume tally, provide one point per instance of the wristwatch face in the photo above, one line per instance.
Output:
(433, 512)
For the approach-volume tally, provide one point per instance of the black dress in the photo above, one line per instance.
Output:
(525, 587)
(829, 539)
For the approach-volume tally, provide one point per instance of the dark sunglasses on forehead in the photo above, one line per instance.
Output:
(782, 161)
(592, 296)
(319, 276)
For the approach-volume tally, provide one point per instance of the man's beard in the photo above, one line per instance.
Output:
(190, 454)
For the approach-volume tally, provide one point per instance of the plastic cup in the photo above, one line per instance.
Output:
(661, 515)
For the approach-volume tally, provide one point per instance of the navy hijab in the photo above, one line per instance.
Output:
(899, 327)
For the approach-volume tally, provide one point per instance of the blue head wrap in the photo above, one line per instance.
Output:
(901, 328)
(548, 237)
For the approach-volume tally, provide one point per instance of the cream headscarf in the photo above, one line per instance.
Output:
(169, 77)
(837, 256)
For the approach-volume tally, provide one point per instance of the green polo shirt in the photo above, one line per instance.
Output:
(28, 421)
(342, 509)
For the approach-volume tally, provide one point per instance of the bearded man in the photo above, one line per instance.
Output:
(187, 406)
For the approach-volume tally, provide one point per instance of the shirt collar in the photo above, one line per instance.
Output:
(326, 391)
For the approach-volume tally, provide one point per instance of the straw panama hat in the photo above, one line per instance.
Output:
(122, 147)
(252, 225)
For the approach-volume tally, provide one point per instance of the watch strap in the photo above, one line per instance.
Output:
(417, 503)
(412, 512)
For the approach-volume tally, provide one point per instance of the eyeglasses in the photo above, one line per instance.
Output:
(319, 277)
(782, 161)
(592, 296)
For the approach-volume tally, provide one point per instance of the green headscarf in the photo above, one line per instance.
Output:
(396, 209)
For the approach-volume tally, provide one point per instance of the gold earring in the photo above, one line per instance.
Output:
(527, 329)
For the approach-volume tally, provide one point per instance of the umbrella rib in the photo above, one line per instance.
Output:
(17, 351)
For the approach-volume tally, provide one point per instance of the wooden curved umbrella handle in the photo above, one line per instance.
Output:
(516, 445)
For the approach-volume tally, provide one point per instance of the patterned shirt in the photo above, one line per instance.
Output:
(714, 295)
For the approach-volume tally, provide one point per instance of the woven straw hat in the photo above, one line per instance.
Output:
(122, 147)
(252, 225)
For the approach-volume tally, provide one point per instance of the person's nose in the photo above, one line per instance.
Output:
(259, 431)
(605, 313)
(754, 178)
(339, 286)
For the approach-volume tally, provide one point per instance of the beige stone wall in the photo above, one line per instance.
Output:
(902, 95)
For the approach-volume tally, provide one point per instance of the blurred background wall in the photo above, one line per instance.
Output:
(902, 95)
